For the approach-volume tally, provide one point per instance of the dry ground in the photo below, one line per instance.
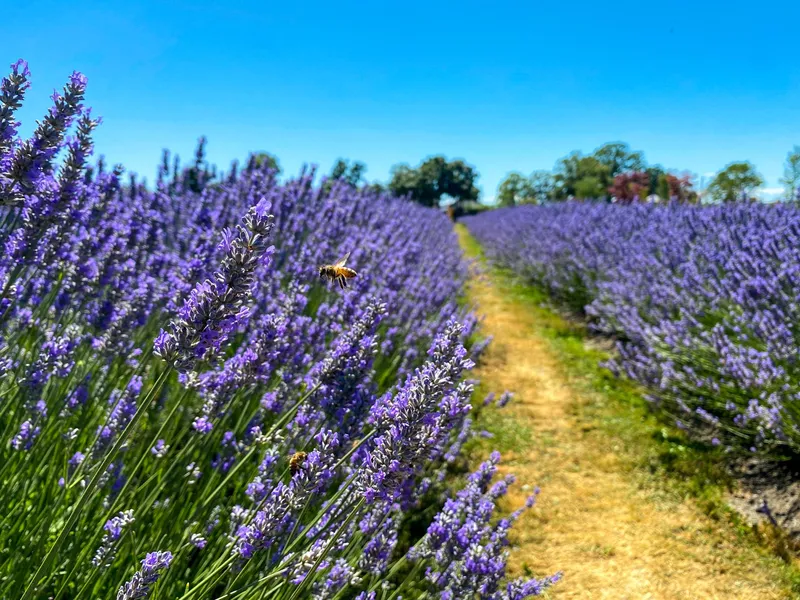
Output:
(612, 538)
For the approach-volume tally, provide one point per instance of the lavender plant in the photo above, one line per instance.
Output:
(702, 300)
(174, 375)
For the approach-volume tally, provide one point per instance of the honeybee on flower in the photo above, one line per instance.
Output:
(296, 462)
(338, 272)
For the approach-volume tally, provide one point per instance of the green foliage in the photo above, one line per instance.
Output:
(351, 173)
(259, 159)
(618, 158)
(589, 187)
(196, 176)
(592, 175)
(791, 173)
(514, 189)
(542, 186)
(518, 189)
(433, 179)
(735, 182)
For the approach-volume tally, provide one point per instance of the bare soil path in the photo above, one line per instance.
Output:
(612, 537)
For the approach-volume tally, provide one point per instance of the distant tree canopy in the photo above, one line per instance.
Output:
(258, 160)
(630, 187)
(581, 176)
(515, 189)
(351, 173)
(198, 175)
(735, 182)
(791, 174)
(612, 170)
(434, 179)
(592, 176)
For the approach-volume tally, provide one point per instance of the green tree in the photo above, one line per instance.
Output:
(514, 189)
(735, 182)
(791, 173)
(542, 186)
(375, 187)
(657, 185)
(198, 175)
(576, 168)
(619, 158)
(589, 188)
(433, 179)
(351, 173)
(259, 160)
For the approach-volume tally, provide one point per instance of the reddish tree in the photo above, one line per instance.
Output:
(680, 188)
(630, 187)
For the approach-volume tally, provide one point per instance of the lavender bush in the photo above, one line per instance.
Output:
(703, 300)
(178, 384)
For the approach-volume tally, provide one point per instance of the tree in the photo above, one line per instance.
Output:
(458, 181)
(657, 184)
(343, 170)
(735, 182)
(375, 187)
(514, 189)
(630, 187)
(197, 176)
(791, 173)
(677, 188)
(576, 168)
(542, 188)
(434, 178)
(260, 160)
(589, 188)
(619, 158)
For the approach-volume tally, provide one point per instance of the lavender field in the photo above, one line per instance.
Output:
(703, 302)
(187, 410)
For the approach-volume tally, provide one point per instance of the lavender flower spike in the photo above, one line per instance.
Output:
(33, 159)
(216, 308)
(12, 92)
(141, 582)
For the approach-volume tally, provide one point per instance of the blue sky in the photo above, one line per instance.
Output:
(504, 85)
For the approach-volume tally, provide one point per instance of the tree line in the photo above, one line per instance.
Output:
(613, 172)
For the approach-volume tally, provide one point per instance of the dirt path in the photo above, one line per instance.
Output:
(612, 539)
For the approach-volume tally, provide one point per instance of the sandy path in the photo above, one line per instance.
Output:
(611, 539)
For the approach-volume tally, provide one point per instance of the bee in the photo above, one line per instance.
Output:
(338, 272)
(296, 462)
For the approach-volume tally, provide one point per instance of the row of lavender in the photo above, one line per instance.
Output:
(703, 300)
(187, 410)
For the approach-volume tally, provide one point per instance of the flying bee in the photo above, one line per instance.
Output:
(296, 462)
(338, 272)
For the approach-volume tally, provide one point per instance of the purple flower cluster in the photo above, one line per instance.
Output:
(172, 350)
(465, 550)
(142, 581)
(703, 301)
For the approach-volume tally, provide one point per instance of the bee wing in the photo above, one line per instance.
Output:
(341, 261)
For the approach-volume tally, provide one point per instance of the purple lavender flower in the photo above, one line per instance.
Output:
(140, 584)
(464, 548)
(28, 432)
(114, 529)
(12, 92)
(275, 519)
(32, 160)
(160, 449)
(421, 414)
(215, 309)
(504, 399)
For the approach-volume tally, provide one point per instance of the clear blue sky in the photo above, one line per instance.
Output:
(504, 85)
